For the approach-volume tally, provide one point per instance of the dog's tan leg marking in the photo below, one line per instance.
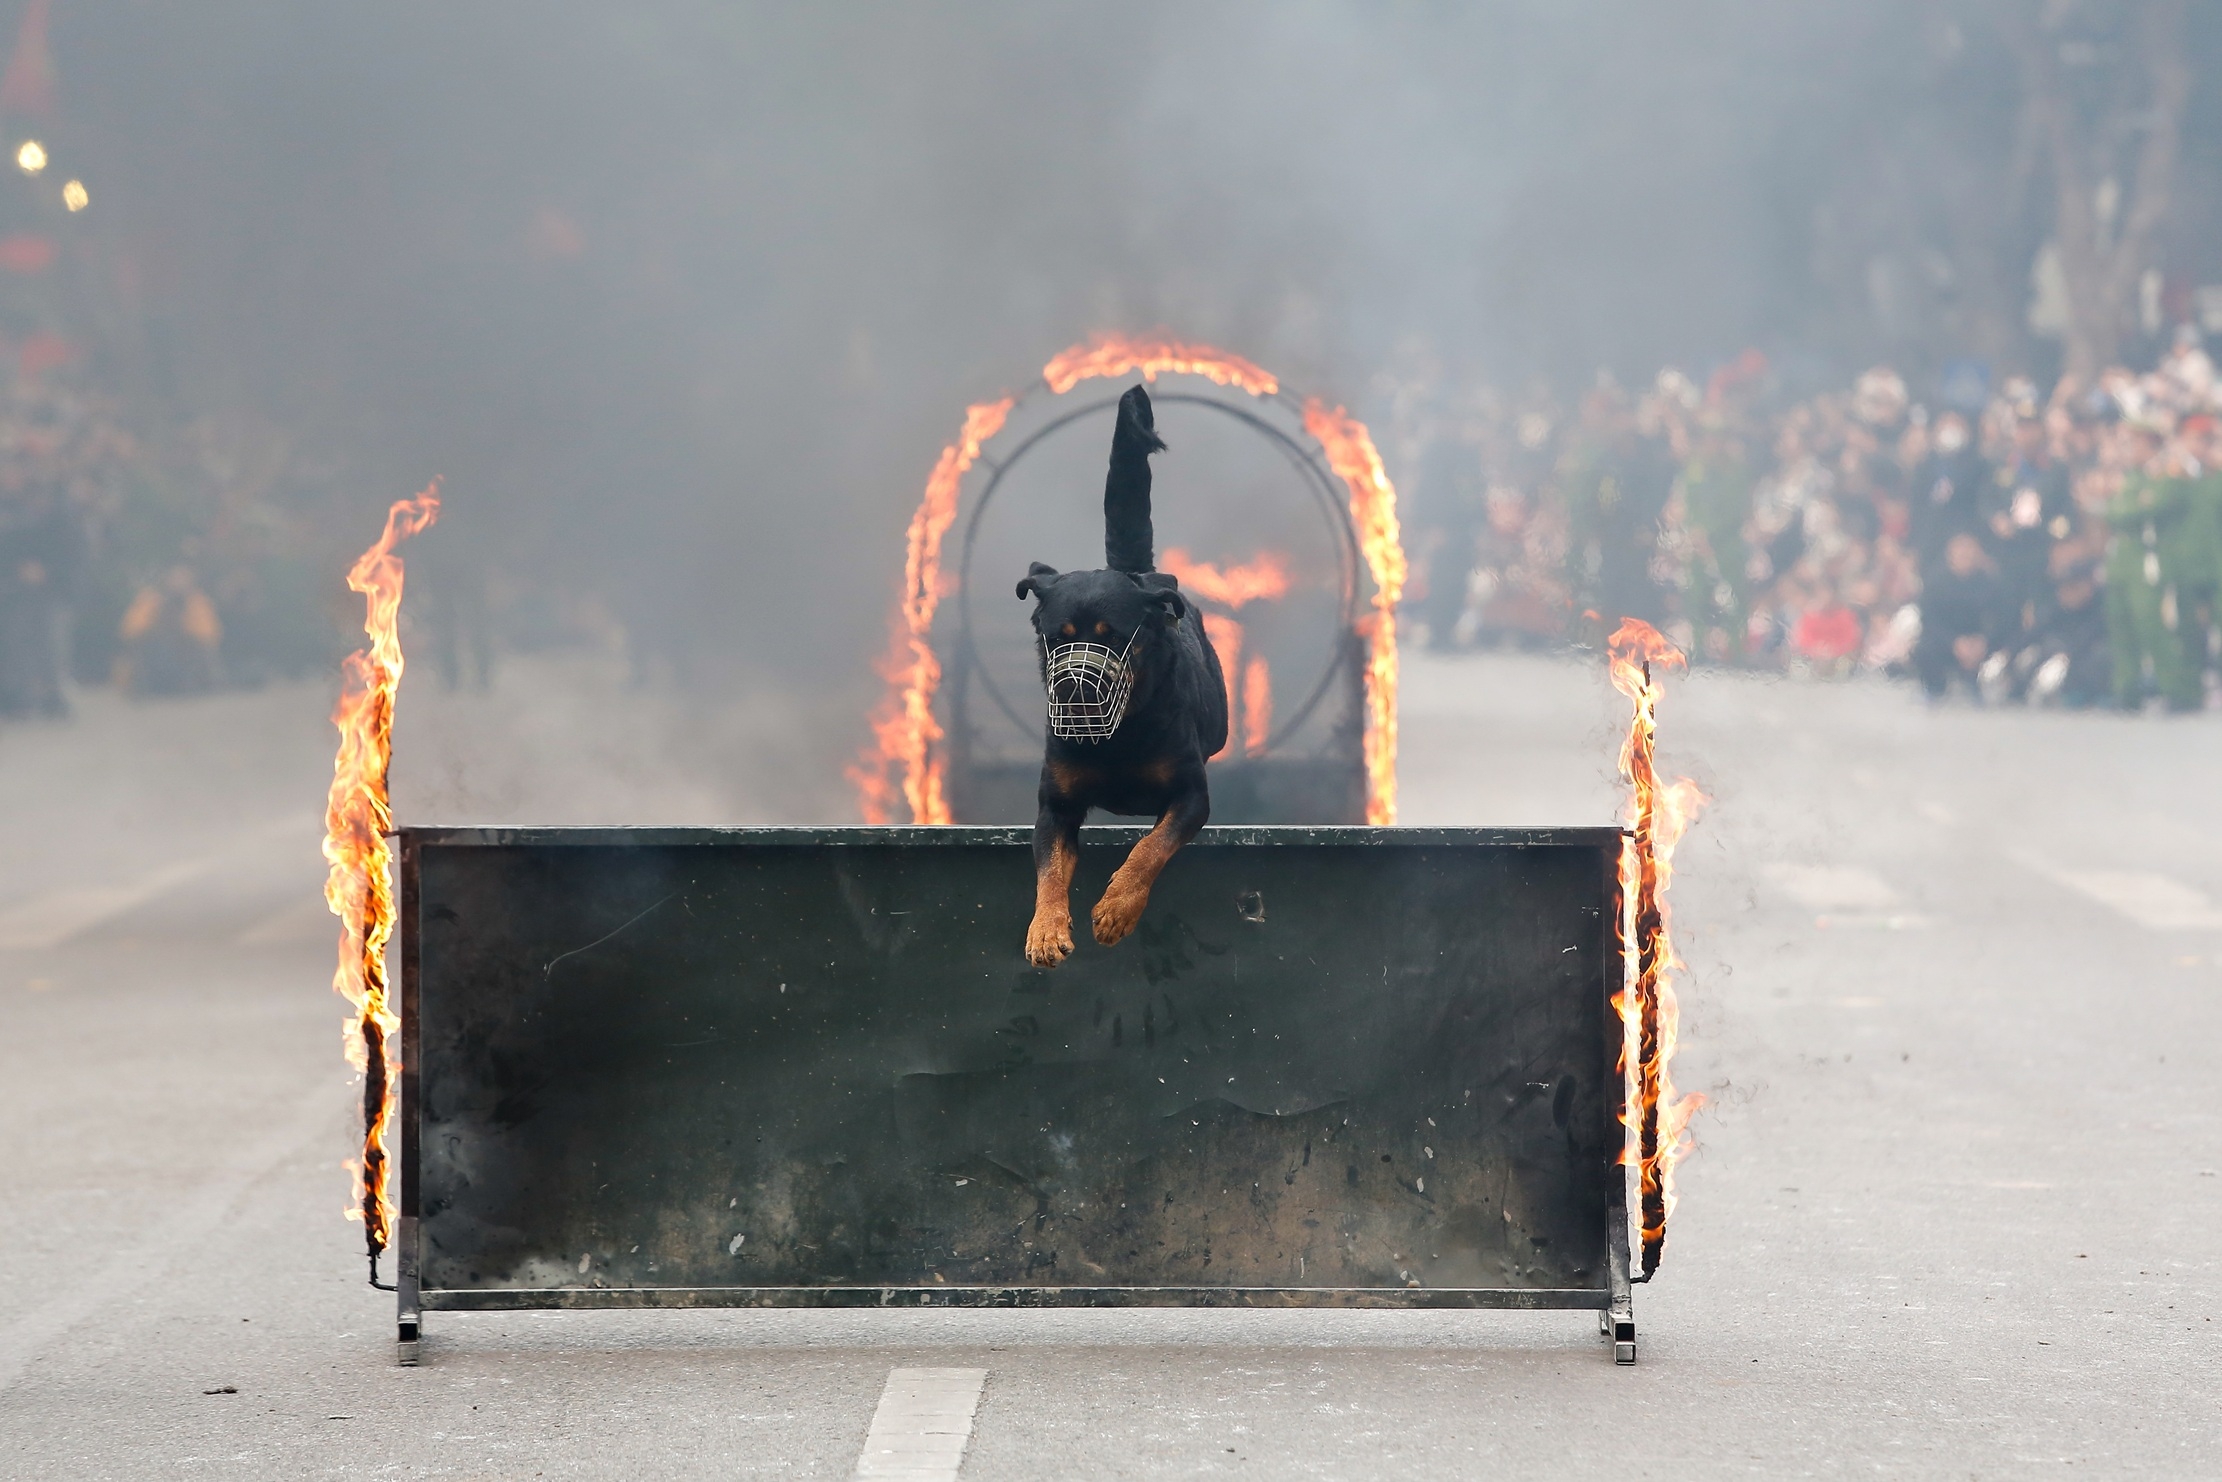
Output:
(1129, 891)
(1049, 938)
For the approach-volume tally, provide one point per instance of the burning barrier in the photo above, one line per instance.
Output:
(1657, 1117)
(359, 886)
(1348, 909)
(904, 756)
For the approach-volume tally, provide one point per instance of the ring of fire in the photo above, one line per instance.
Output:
(904, 756)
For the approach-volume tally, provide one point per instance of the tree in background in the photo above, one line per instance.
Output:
(2106, 87)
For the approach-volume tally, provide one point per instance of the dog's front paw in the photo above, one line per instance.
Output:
(1048, 942)
(1119, 912)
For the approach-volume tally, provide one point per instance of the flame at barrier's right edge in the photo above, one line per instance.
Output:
(1656, 1116)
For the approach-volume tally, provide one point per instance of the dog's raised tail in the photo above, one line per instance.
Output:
(1128, 542)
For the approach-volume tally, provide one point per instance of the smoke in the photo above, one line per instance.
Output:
(682, 298)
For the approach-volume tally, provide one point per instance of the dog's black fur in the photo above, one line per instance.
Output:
(1153, 764)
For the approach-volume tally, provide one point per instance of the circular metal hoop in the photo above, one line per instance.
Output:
(1319, 483)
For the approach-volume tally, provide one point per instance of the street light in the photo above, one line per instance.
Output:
(74, 196)
(31, 158)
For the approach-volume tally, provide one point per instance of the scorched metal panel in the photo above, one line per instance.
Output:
(811, 1065)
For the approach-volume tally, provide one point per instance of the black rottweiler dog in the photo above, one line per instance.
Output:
(1136, 704)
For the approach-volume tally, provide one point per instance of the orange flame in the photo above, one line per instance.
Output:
(1656, 1116)
(1350, 453)
(904, 728)
(1154, 355)
(1226, 636)
(1261, 580)
(1249, 682)
(1257, 705)
(357, 818)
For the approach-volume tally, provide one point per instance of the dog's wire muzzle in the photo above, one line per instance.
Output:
(1088, 687)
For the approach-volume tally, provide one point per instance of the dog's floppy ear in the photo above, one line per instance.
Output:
(1164, 594)
(1038, 578)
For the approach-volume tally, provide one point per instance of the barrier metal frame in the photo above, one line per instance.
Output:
(1610, 1297)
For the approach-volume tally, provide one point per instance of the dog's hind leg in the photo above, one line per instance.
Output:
(1056, 853)
(1129, 891)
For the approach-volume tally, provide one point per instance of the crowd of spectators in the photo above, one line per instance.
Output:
(58, 456)
(160, 559)
(2055, 547)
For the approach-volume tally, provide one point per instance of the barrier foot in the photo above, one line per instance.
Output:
(408, 1301)
(1618, 1321)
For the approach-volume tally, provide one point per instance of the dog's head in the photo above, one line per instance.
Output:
(1106, 640)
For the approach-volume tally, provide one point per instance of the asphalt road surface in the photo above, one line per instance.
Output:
(1955, 993)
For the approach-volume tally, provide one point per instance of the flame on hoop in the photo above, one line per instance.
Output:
(904, 729)
(903, 757)
(1154, 355)
(1351, 454)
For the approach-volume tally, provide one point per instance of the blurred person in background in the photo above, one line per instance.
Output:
(1960, 618)
(1449, 513)
(171, 638)
(1873, 482)
(2069, 659)
(1828, 634)
(1774, 536)
(2028, 511)
(2186, 371)
(1713, 496)
(1615, 479)
(42, 544)
(1947, 487)
(2197, 555)
(1518, 593)
(2153, 657)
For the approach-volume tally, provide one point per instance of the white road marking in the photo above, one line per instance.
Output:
(304, 920)
(1834, 887)
(2152, 901)
(52, 919)
(1871, 920)
(923, 1421)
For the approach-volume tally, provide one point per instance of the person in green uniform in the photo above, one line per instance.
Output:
(2145, 612)
(2193, 559)
(1715, 492)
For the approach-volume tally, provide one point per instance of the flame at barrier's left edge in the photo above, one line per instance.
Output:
(358, 885)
